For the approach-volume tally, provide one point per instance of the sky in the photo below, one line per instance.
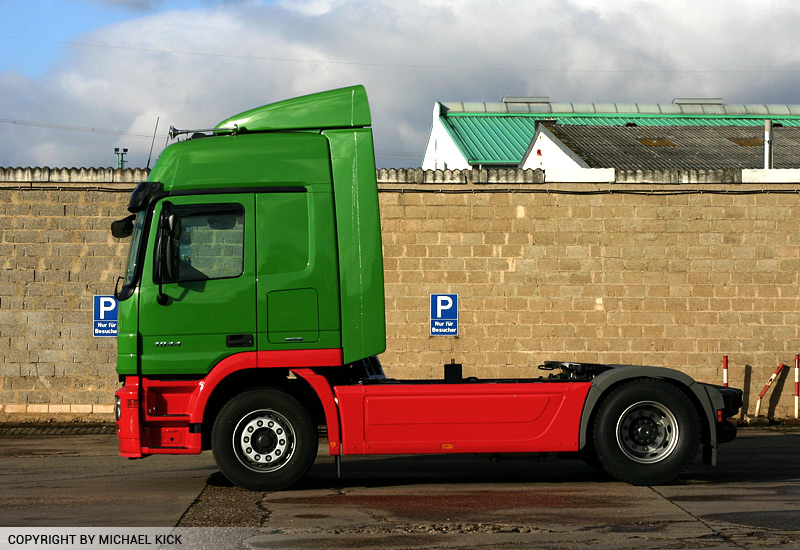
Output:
(79, 78)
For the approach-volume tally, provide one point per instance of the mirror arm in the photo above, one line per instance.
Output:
(161, 298)
(117, 293)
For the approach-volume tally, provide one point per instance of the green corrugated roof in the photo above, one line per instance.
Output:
(491, 139)
(486, 138)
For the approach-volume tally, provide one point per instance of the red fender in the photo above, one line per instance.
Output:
(325, 394)
(206, 386)
(299, 361)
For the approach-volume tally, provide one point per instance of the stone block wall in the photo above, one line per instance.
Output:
(56, 253)
(639, 272)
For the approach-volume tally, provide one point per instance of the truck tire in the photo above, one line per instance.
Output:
(264, 440)
(646, 432)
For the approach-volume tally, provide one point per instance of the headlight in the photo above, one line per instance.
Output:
(118, 408)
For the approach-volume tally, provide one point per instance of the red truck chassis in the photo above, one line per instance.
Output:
(365, 413)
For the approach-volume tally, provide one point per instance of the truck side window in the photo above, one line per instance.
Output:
(210, 242)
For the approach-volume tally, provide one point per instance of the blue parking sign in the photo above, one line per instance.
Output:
(444, 314)
(106, 311)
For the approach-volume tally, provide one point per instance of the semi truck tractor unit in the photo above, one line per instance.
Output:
(251, 314)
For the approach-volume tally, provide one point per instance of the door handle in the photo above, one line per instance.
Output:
(239, 340)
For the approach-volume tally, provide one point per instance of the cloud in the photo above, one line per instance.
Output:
(409, 55)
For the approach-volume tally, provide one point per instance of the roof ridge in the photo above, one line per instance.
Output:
(630, 109)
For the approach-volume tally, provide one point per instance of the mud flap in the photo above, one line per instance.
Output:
(709, 454)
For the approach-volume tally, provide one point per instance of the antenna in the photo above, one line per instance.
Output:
(151, 143)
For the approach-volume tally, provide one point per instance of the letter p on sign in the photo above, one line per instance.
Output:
(107, 305)
(443, 302)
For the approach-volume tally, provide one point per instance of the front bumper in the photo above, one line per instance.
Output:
(733, 399)
(128, 418)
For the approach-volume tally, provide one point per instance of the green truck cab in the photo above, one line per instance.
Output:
(252, 312)
(248, 244)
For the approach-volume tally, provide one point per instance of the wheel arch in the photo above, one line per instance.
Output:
(697, 393)
(268, 369)
(243, 380)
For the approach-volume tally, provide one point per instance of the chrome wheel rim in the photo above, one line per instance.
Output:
(647, 432)
(264, 441)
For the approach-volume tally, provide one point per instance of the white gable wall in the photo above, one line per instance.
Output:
(441, 152)
(547, 152)
(559, 163)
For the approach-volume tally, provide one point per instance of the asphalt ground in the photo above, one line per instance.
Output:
(75, 478)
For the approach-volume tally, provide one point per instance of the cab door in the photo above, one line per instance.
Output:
(297, 267)
(202, 308)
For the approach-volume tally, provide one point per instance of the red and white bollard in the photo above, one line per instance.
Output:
(725, 370)
(768, 384)
(796, 383)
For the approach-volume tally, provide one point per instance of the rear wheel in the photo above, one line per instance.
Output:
(646, 432)
(264, 440)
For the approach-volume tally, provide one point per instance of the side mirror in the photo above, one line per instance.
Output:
(123, 228)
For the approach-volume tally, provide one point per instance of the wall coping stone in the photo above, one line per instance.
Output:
(34, 176)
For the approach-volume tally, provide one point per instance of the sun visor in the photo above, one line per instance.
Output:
(142, 194)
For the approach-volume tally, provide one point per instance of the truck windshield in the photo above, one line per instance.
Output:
(133, 255)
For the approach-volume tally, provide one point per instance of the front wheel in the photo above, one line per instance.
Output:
(646, 432)
(264, 440)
